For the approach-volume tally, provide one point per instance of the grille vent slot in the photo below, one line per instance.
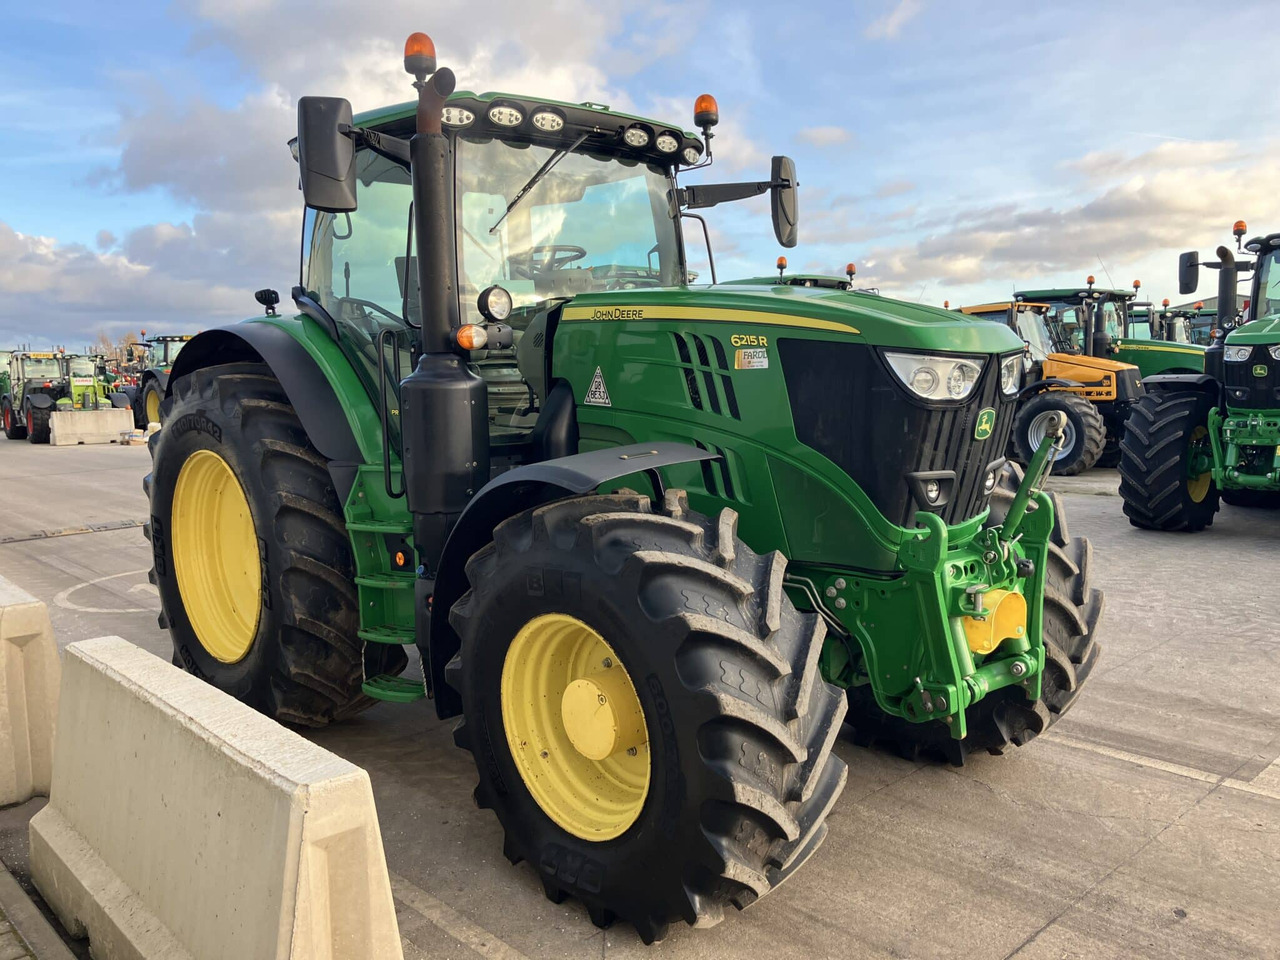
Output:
(707, 376)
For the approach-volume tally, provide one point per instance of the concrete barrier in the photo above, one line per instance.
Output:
(70, 427)
(29, 677)
(183, 824)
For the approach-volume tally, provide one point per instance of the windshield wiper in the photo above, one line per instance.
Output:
(537, 177)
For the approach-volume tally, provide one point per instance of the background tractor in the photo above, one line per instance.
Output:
(87, 384)
(152, 376)
(650, 540)
(1097, 323)
(1199, 438)
(1093, 395)
(36, 382)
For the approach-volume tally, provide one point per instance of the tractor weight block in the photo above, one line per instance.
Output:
(184, 824)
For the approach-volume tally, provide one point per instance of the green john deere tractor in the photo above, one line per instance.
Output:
(1098, 325)
(153, 377)
(650, 540)
(1198, 438)
(35, 384)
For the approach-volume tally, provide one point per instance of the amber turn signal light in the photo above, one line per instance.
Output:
(471, 336)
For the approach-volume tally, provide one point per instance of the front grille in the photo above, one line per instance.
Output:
(849, 406)
(1250, 392)
(706, 374)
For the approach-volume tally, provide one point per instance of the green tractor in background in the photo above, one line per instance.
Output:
(1198, 438)
(1170, 324)
(5, 355)
(35, 384)
(1097, 323)
(153, 377)
(650, 540)
(88, 384)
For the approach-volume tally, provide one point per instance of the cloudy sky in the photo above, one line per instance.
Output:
(954, 149)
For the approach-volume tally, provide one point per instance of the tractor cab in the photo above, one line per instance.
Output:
(1097, 323)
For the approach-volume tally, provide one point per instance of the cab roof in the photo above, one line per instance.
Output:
(1072, 293)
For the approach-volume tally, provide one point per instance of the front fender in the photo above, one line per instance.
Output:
(1049, 383)
(39, 401)
(505, 496)
(304, 383)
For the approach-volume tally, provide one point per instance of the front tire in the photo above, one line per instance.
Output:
(1085, 432)
(1164, 476)
(152, 399)
(37, 419)
(736, 724)
(251, 555)
(1072, 610)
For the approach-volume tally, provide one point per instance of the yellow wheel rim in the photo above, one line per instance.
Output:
(575, 727)
(215, 556)
(1198, 486)
(153, 407)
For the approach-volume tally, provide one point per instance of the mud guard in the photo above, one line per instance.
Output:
(1196, 382)
(1040, 386)
(505, 496)
(304, 384)
(39, 401)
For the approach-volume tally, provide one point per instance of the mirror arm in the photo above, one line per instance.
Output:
(710, 194)
(392, 148)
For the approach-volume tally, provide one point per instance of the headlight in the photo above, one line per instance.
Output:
(691, 156)
(1010, 374)
(1237, 354)
(636, 136)
(548, 121)
(456, 117)
(1275, 352)
(936, 378)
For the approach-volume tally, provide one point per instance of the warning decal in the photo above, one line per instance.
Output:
(597, 393)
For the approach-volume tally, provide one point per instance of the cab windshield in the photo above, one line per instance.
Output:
(592, 223)
(37, 368)
(1267, 303)
(1032, 329)
(81, 367)
(169, 350)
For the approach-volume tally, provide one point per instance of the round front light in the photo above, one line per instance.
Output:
(691, 156)
(457, 117)
(505, 116)
(548, 121)
(667, 143)
(1010, 375)
(1275, 352)
(636, 137)
(494, 303)
(932, 491)
(990, 483)
(924, 380)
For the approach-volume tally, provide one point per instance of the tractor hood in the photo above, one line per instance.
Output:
(1100, 364)
(1265, 330)
(859, 316)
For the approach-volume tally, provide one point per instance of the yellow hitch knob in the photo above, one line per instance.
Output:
(1004, 617)
(601, 715)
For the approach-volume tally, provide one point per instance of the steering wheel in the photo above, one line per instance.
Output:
(545, 258)
(375, 306)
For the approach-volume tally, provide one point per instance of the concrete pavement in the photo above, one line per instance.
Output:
(1146, 824)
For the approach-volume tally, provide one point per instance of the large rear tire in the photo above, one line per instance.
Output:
(1166, 439)
(14, 427)
(728, 791)
(1072, 609)
(251, 554)
(1085, 432)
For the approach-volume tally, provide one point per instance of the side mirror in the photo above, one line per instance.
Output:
(1188, 275)
(784, 200)
(326, 155)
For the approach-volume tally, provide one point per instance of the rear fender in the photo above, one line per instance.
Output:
(512, 492)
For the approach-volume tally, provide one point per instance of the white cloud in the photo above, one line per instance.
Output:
(824, 136)
(889, 25)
